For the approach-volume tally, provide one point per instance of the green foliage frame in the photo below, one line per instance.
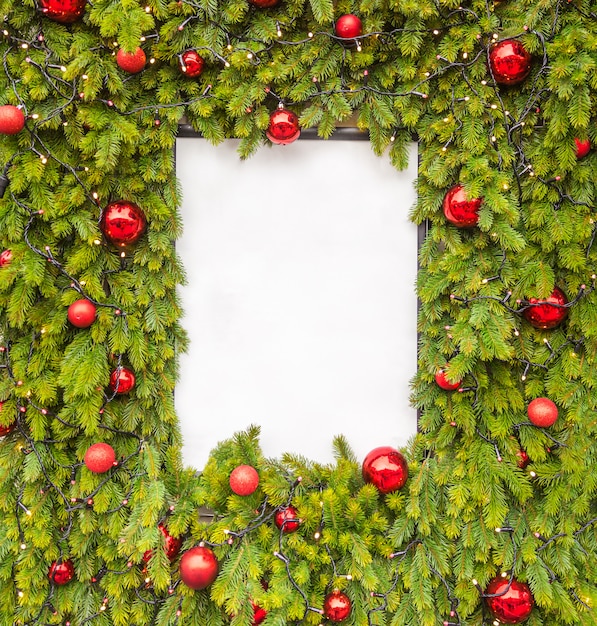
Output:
(420, 555)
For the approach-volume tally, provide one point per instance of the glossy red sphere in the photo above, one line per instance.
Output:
(131, 62)
(5, 257)
(122, 222)
(336, 606)
(6, 430)
(198, 567)
(512, 602)
(122, 380)
(287, 519)
(172, 545)
(461, 210)
(63, 11)
(244, 480)
(444, 383)
(510, 62)
(348, 26)
(12, 119)
(99, 458)
(549, 313)
(386, 468)
(61, 572)
(259, 614)
(81, 313)
(283, 127)
(542, 412)
(583, 147)
(191, 63)
(264, 4)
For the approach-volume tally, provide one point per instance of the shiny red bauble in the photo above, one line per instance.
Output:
(61, 572)
(191, 63)
(287, 519)
(583, 147)
(542, 412)
(122, 222)
(549, 313)
(386, 468)
(12, 119)
(131, 62)
(172, 545)
(6, 430)
(244, 480)
(512, 602)
(122, 380)
(283, 127)
(198, 567)
(444, 383)
(461, 210)
(99, 458)
(510, 62)
(81, 313)
(259, 614)
(523, 459)
(264, 4)
(348, 26)
(336, 606)
(5, 257)
(63, 11)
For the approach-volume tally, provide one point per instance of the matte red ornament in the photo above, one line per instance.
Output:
(81, 313)
(513, 601)
(244, 480)
(198, 567)
(191, 63)
(259, 614)
(12, 119)
(444, 383)
(336, 606)
(283, 127)
(348, 26)
(172, 545)
(99, 458)
(549, 313)
(122, 222)
(287, 519)
(63, 11)
(583, 147)
(523, 459)
(61, 572)
(386, 468)
(510, 62)
(122, 380)
(131, 62)
(542, 412)
(5, 257)
(461, 210)
(264, 4)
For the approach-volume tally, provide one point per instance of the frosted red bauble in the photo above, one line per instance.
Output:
(172, 545)
(61, 572)
(259, 614)
(287, 519)
(542, 412)
(198, 567)
(386, 468)
(131, 62)
(510, 62)
(459, 209)
(122, 222)
(191, 63)
(264, 4)
(348, 26)
(582, 147)
(5, 257)
(81, 313)
(122, 380)
(244, 480)
(12, 119)
(549, 313)
(283, 127)
(444, 383)
(63, 11)
(99, 458)
(513, 601)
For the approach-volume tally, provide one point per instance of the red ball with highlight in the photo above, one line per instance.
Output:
(337, 606)
(348, 26)
(131, 62)
(63, 11)
(283, 127)
(542, 412)
(549, 313)
(386, 468)
(5, 257)
(510, 62)
(444, 383)
(287, 519)
(81, 313)
(61, 572)
(198, 567)
(99, 458)
(583, 147)
(191, 63)
(122, 380)
(461, 210)
(512, 602)
(122, 222)
(12, 119)
(244, 480)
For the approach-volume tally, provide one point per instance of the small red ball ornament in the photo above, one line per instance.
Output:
(81, 313)
(583, 147)
(6, 430)
(542, 412)
(264, 4)
(444, 383)
(99, 458)
(386, 468)
(244, 480)
(523, 459)
(191, 63)
(122, 380)
(510, 62)
(172, 545)
(348, 26)
(63, 11)
(283, 127)
(549, 313)
(61, 572)
(336, 606)
(5, 257)
(131, 62)
(198, 567)
(461, 210)
(287, 519)
(122, 222)
(259, 614)
(512, 601)
(12, 119)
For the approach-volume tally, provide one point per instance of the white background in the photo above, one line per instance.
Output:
(300, 303)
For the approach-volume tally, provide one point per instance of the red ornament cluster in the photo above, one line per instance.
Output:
(191, 63)
(510, 62)
(461, 210)
(549, 313)
(122, 223)
(198, 567)
(99, 458)
(63, 11)
(283, 127)
(386, 468)
(510, 602)
(12, 119)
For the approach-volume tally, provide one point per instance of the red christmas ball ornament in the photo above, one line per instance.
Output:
(542, 412)
(444, 383)
(61, 572)
(99, 458)
(198, 567)
(244, 480)
(549, 313)
(336, 606)
(348, 26)
(6, 430)
(122, 380)
(283, 127)
(287, 519)
(191, 63)
(461, 210)
(122, 222)
(172, 545)
(264, 4)
(510, 602)
(131, 62)
(386, 468)
(259, 614)
(63, 11)
(583, 147)
(5, 257)
(523, 459)
(510, 62)
(12, 119)
(81, 313)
